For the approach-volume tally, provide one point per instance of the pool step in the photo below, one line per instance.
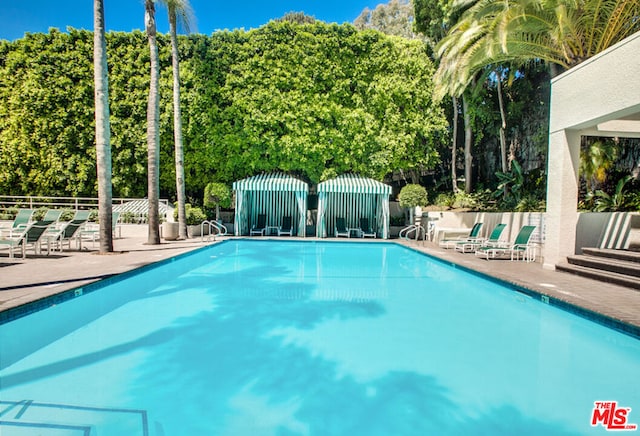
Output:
(27, 417)
(620, 267)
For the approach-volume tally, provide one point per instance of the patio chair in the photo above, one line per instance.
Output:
(70, 231)
(33, 235)
(52, 215)
(93, 232)
(23, 217)
(519, 246)
(471, 237)
(341, 228)
(287, 226)
(472, 245)
(365, 229)
(260, 227)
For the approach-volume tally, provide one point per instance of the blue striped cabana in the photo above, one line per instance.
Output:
(353, 197)
(275, 195)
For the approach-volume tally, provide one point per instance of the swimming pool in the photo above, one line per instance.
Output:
(323, 338)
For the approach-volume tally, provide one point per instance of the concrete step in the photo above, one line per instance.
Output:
(603, 276)
(626, 255)
(607, 264)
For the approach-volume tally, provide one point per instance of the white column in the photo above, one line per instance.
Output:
(562, 196)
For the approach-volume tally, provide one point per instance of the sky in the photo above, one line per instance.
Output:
(20, 16)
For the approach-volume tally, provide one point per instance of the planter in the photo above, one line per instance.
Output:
(170, 231)
(194, 231)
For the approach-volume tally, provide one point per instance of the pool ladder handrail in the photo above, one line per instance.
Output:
(215, 228)
(420, 232)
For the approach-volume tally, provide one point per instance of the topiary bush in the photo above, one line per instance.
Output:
(413, 195)
(217, 195)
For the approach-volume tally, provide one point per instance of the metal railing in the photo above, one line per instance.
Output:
(75, 203)
(414, 231)
(214, 228)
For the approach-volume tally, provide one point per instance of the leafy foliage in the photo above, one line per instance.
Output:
(310, 99)
(603, 202)
(217, 195)
(413, 195)
(195, 215)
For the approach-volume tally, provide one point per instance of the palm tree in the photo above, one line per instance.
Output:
(179, 11)
(153, 123)
(562, 33)
(433, 19)
(103, 133)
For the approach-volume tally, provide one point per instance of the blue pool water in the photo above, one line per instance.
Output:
(310, 338)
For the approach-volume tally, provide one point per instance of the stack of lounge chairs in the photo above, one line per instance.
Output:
(24, 233)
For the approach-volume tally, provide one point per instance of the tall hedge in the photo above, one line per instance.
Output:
(311, 99)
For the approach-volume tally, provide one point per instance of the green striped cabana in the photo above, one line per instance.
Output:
(275, 195)
(353, 197)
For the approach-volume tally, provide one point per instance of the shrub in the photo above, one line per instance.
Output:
(413, 195)
(530, 203)
(9, 213)
(463, 200)
(194, 215)
(39, 213)
(128, 217)
(67, 215)
(445, 200)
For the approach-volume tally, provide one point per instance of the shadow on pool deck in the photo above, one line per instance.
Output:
(37, 277)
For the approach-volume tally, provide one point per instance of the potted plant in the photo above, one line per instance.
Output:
(194, 218)
(413, 197)
(217, 195)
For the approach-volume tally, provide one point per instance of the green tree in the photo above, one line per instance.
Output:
(217, 195)
(433, 18)
(596, 158)
(561, 33)
(297, 17)
(393, 18)
(153, 126)
(103, 143)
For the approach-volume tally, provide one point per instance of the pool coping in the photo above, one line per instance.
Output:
(16, 312)
(19, 311)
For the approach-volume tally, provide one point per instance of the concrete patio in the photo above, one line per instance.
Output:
(38, 277)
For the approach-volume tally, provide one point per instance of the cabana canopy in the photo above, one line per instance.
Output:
(275, 195)
(353, 197)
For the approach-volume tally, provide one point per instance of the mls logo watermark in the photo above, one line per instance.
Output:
(611, 417)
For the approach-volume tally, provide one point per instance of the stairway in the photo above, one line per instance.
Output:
(620, 267)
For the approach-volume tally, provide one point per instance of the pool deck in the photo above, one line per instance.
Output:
(26, 280)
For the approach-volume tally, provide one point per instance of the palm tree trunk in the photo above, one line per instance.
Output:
(454, 146)
(153, 134)
(103, 128)
(468, 136)
(177, 127)
(503, 124)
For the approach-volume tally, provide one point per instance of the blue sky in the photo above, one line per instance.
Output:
(20, 16)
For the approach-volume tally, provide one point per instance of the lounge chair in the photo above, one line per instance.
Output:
(70, 231)
(341, 228)
(287, 226)
(20, 222)
(471, 237)
(92, 231)
(472, 245)
(521, 245)
(260, 227)
(52, 215)
(33, 235)
(365, 229)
